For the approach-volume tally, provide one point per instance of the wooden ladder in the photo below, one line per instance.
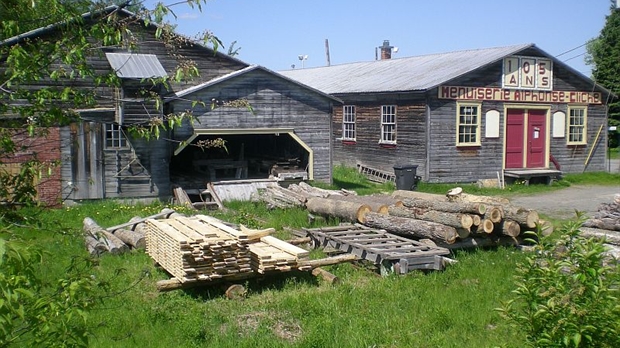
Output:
(375, 175)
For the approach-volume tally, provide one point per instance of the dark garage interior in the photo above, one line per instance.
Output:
(245, 156)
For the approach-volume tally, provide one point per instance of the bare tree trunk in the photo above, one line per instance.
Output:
(455, 220)
(350, 211)
(465, 197)
(449, 207)
(403, 194)
(113, 243)
(412, 228)
(611, 237)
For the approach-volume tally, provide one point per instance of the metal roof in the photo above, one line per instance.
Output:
(220, 79)
(401, 74)
(134, 65)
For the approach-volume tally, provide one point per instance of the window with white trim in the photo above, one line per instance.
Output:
(348, 122)
(115, 137)
(468, 124)
(576, 131)
(388, 124)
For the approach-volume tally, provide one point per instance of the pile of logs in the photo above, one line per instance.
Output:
(296, 195)
(456, 220)
(117, 239)
(605, 224)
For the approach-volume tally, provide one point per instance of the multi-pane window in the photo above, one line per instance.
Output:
(388, 124)
(468, 124)
(577, 125)
(114, 137)
(348, 122)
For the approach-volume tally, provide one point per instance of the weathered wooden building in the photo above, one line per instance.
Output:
(269, 123)
(467, 115)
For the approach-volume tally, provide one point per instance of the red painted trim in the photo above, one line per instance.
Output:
(388, 146)
(349, 142)
(472, 147)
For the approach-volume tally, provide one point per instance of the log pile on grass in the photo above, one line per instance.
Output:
(120, 238)
(296, 195)
(456, 220)
(605, 225)
(478, 221)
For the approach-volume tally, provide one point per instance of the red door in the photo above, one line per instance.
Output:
(515, 121)
(537, 140)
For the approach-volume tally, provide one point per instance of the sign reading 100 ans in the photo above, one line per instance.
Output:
(528, 73)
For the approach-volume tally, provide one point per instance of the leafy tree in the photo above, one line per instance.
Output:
(61, 56)
(604, 56)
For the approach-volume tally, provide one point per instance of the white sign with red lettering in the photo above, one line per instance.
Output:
(528, 73)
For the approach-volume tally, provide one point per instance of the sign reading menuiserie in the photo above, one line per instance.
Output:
(511, 95)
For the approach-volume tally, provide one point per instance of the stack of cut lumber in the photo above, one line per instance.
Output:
(605, 224)
(193, 248)
(272, 254)
(202, 248)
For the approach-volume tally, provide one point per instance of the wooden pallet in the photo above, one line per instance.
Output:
(375, 175)
(391, 252)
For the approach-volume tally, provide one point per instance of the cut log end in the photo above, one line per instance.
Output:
(511, 228)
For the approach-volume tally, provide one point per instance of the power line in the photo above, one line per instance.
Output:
(572, 49)
(573, 57)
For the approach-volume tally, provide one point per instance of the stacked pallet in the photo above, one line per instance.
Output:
(192, 248)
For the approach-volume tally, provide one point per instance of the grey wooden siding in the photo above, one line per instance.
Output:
(436, 135)
(90, 171)
(140, 171)
(410, 147)
(276, 103)
(572, 158)
(447, 163)
(82, 164)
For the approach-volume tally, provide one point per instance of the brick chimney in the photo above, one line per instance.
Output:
(386, 50)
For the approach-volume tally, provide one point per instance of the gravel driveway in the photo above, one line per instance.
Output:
(562, 204)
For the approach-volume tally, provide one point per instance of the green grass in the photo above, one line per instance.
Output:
(594, 178)
(453, 308)
(614, 153)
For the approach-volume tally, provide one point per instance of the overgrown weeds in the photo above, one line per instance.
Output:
(566, 294)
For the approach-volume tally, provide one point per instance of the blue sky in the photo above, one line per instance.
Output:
(273, 33)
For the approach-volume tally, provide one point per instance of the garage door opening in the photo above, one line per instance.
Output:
(264, 153)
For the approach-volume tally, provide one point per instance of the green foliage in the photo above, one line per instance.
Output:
(603, 54)
(37, 313)
(566, 296)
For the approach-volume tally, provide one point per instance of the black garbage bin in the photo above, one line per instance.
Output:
(406, 178)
